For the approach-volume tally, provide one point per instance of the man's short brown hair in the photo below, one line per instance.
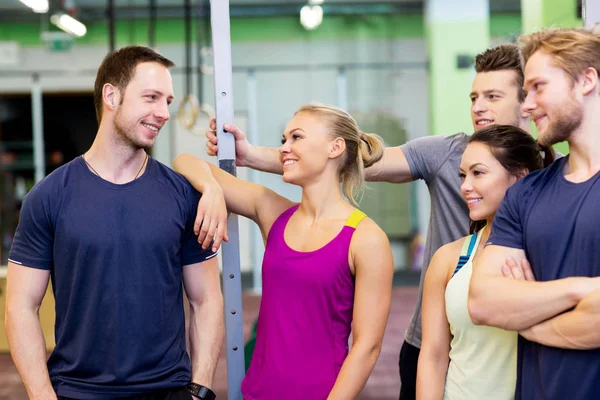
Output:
(572, 50)
(118, 67)
(503, 57)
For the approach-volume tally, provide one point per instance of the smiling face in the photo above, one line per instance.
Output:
(144, 105)
(551, 99)
(495, 99)
(306, 149)
(484, 181)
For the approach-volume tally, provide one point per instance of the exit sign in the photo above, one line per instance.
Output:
(57, 41)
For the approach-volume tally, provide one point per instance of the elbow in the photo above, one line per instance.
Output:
(477, 310)
(369, 351)
(212, 302)
(594, 332)
(480, 304)
(374, 351)
(434, 358)
(596, 341)
(17, 312)
(10, 312)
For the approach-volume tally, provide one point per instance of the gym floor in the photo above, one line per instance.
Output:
(383, 383)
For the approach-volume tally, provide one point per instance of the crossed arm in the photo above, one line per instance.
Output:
(575, 329)
(518, 305)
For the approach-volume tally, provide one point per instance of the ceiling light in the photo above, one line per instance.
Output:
(315, 2)
(311, 17)
(68, 24)
(38, 6)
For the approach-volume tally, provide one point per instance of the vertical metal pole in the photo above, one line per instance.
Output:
(342, 89)
(200, 24)
(38, 129)
(187, 6)
(232, 283)
(111, 25)
(152, 24)
(591, 13)
(256, 236)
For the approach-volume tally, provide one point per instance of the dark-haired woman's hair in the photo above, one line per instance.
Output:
(515, 149)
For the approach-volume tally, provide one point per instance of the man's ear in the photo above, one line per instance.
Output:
(589, 79)
(337, 147)
(110, 96)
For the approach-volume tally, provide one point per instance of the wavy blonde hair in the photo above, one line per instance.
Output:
(573, 50)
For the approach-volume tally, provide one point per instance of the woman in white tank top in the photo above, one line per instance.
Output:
(459, 360)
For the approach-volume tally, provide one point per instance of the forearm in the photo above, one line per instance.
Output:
(431, 374)
(517, 305)
(196, 171)
(263, 159)
(392, 168)
(355, 371)
(28, 351)
(206, 333)
(576, 329)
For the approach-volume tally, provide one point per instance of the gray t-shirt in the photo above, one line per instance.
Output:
(436, 160)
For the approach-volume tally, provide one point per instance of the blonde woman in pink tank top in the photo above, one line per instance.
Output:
(327, 269)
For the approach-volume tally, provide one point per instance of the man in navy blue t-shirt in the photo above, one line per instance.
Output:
(114, 231)
(551, 218)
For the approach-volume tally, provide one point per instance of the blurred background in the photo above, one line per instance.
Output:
(402, 68)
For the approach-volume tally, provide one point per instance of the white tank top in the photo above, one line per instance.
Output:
(483, 360)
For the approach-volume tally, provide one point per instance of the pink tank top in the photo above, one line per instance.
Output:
(304, 319)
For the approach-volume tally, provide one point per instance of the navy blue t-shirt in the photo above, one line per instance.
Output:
(556, 223)
(115, 253)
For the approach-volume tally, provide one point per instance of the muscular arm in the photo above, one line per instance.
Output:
(372, 256)
(202, 286)
(24, 293)
(514, 304)
(435, 346)
(576, 329)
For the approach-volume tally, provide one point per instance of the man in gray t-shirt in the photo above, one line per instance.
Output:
(496, 98)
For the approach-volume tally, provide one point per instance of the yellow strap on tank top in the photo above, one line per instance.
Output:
(355, 218)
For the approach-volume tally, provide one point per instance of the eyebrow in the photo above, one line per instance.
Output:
(290, 132)
(171, 97)
(488, 92)
(530, 81)
(472, 167)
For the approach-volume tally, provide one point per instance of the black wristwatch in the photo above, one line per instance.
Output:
(201, 392)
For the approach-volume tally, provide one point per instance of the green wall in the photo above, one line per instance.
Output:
(262, 29)
(549, 13)
(538, 14)
(448, 85)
